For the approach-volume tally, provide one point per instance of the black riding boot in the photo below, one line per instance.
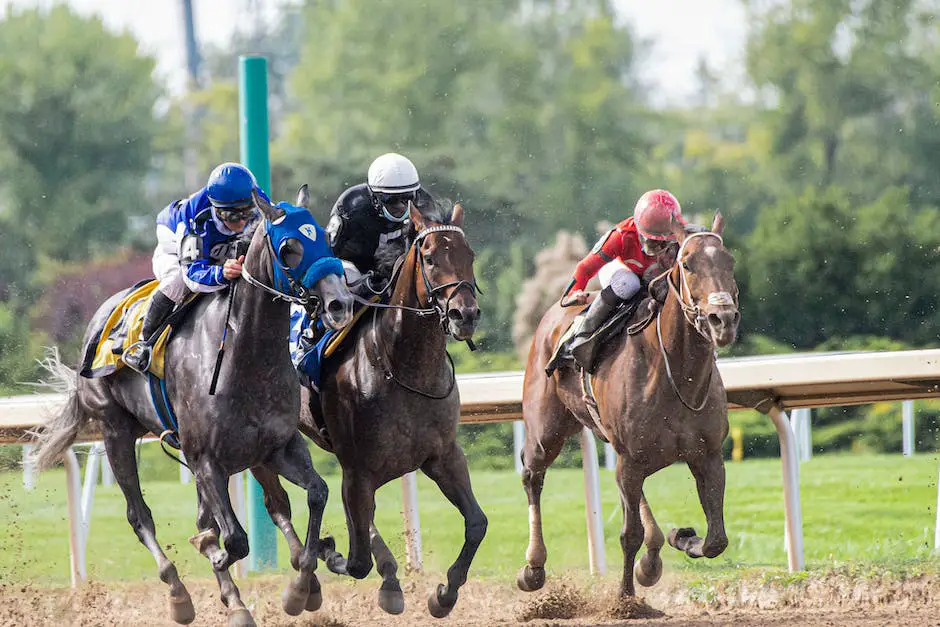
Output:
(592, 319)
(137, 355)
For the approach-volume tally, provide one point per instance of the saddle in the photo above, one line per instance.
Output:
(640, 311)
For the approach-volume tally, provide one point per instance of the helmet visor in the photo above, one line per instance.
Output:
(653, 247)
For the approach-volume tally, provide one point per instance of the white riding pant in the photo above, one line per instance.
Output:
(621, 280)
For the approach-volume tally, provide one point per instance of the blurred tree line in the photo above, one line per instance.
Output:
(532, 114)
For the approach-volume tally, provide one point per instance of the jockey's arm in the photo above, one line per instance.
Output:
(608, 248)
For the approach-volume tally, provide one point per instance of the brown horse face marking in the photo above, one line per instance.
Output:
(448, 258)
(707, 270)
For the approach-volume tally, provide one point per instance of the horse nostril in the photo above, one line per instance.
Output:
(335, 307)
(455, 315)
(714, 320)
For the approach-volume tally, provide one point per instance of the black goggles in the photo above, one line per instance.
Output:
(235, 214)
(395, 199)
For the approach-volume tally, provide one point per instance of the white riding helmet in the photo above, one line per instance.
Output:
(393, 174)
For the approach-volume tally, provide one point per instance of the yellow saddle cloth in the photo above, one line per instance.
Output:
(120, 330)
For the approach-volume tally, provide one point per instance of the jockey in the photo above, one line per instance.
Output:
(369, 226)
(621, 257)
(195, 245)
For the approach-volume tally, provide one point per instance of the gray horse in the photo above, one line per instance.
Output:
(250, 423)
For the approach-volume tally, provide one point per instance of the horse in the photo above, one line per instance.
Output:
(250, 423)
(659, 399)
(390, 404)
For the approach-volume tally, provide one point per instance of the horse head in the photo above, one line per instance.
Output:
(444, 277)
(703, 281)
(293, 251)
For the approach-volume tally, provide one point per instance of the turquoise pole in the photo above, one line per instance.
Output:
(253, 122)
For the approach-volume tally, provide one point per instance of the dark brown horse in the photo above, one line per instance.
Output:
(390, 404)
(660, 399)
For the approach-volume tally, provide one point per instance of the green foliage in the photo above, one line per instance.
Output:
(76, 126)
(838, 269)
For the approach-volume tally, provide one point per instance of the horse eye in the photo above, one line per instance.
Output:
(292, 252)
(686, 267)
(428, 260)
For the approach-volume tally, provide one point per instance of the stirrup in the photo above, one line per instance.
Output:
(137, 356)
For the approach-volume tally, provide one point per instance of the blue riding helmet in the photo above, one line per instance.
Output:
(230, 185)
(317, 260)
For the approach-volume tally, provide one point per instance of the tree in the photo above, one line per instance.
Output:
(819, 267)
(76, 129)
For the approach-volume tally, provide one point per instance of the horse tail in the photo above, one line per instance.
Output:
(58, 431)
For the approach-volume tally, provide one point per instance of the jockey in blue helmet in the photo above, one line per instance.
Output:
(195, 245)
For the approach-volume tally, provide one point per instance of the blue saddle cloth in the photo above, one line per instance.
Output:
(307, 360)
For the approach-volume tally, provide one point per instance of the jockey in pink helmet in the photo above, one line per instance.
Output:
(622, 256)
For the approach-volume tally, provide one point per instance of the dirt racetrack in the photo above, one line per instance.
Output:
(830, 600)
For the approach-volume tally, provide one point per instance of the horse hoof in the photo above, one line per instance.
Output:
(648, 570)
(393, 602)
(677, 535)
(294, 598)
(314, 601)
(241, 618)
(182, 610)
(336, 564)
(530, 578)
(437, 606)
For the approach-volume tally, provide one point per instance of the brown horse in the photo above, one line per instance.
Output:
(390, 404)
(660, 399)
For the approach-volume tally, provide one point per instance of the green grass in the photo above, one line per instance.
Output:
(857, 509)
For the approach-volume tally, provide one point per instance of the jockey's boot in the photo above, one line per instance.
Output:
(592, 319)
(138, 355)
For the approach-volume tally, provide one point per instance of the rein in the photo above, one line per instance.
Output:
(692, 314)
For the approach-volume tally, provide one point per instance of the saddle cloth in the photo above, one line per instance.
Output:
(120, 330)
(308, 361)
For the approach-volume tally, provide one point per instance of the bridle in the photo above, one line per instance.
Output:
(298, 294)
(691, 312)
(432, 307)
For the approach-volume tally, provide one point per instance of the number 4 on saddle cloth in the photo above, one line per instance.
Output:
(310, 346)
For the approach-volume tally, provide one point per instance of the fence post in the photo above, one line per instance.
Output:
(610, 456)
(518, 441)
(253, 114)
(592, 494)
(907, 428)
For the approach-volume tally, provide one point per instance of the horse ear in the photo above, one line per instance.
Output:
(416, 218)
(718, 225)
(303, 197)
(268, 210)
(456, 218)
(678, 229)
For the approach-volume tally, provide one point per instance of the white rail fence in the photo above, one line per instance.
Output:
(768, 384)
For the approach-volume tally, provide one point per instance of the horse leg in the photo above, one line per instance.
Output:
(293, 463)
(277, 503)
(207, 543)
(709, 473)
(120, 447)
(543, 443)
(391, 598)
(650, 567)
(450, 473)
(212, 485)
(359, 503)
(630, 482)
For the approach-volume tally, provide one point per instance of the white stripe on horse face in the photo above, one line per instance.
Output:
(711, 251)
(720, 298)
